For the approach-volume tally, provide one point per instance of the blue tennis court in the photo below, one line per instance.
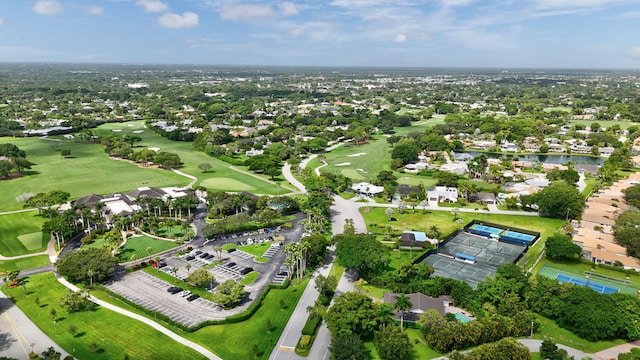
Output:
(603, 289)
(487, 229)
(519, 236)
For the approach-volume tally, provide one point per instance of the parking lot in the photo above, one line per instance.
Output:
(151, 292)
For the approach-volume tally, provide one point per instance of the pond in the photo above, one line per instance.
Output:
(551, 158)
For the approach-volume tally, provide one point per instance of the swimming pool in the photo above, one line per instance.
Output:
(462, 318)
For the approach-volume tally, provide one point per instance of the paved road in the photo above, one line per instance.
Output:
(18, 335)
(534, 346)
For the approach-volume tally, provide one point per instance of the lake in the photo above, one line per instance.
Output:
(550, 158)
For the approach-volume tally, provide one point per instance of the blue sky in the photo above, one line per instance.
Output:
(403, 33)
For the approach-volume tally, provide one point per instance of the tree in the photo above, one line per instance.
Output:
(560, 200)
(632, 195)
(205, 167)
(361, 251)
(352, 313)
(65, 153)
(348, 347)
(76, 301)
(389, 213)
(201, 278)
(229, 294)
(560, 246)
(77, 265)
(393, 344)
(406, 150)
(402, 304)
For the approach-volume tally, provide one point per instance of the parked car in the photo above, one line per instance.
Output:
(190, 257)
(174, 290)
(185, 293)
(231, 250)
(192, 297)
(231, 264)
(204, 255)
(246, 270)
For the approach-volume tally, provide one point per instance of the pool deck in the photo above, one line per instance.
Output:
(457, 310)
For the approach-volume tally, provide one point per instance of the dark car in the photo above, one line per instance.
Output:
(192, 297)
(174, 290)
(231, 264)
(198, 252)
(190, 257)
(161, 264)
(210, 256)
(204, 255)
(231, 250)
(246, 270)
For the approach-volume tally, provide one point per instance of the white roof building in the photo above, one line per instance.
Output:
(367, 189)
(443, 193)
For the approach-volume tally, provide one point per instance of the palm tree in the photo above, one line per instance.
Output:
(188, 267)
(403, 304)
(385, 312)
(174, 270)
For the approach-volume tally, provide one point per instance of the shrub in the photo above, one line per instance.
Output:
(312, 324)
(304, 341)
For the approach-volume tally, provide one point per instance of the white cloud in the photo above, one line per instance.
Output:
(95, 10)
(288, 8)
(1, 21)
(549, 4)
(247, 13)
(400, 38)
(47, 7)
(153, 5)
(634, 53)
(177, 21)
(456, 2)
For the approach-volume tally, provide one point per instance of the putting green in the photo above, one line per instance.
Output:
(32, 241)
(226, 184)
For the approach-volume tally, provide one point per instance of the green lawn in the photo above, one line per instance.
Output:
(24, 263)
(88, 170)
(221, 177)
(175, 232)
(20, 233)
(256, 249)
(374, 157)
(249, 278)
(116, 335)
(605, 123)
(137, 246)
(444, 220)
(551, 331)
(419, 126)
(236, 341)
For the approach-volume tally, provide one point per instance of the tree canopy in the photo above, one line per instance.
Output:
(560, 246)
(360, 251)
(86, 265)
(560, 200)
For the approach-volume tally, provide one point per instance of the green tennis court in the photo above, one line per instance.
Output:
(578, 279)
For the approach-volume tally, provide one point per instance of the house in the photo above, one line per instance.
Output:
(539, 182)
(588, 169)
(443, 193)
(420, 304)
(365, 188)
(509, 147)
(485, 197)
(461, 157)
(416, 167)
(413, 238)
(253, 152)
(605, 151)
(456, 168)
(406, 190)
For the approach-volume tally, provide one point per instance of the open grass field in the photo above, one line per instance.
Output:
(249, 278)
(256, 249)
(115, 335)
(444, 220)
(176, 232)
(551, 331)
(623, 123)
(419, 126)
(137, 247)
(558, 108)
(221, 177)
(20, 233)
(359, 162)
(87, 171)
(24, 263)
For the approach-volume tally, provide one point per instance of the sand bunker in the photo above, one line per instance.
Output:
(358, 154)
(116, 130)
(129, 124)
(154, 148)
(137, 131)
(343, 164)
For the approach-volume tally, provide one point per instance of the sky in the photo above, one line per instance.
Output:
(596, 34)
